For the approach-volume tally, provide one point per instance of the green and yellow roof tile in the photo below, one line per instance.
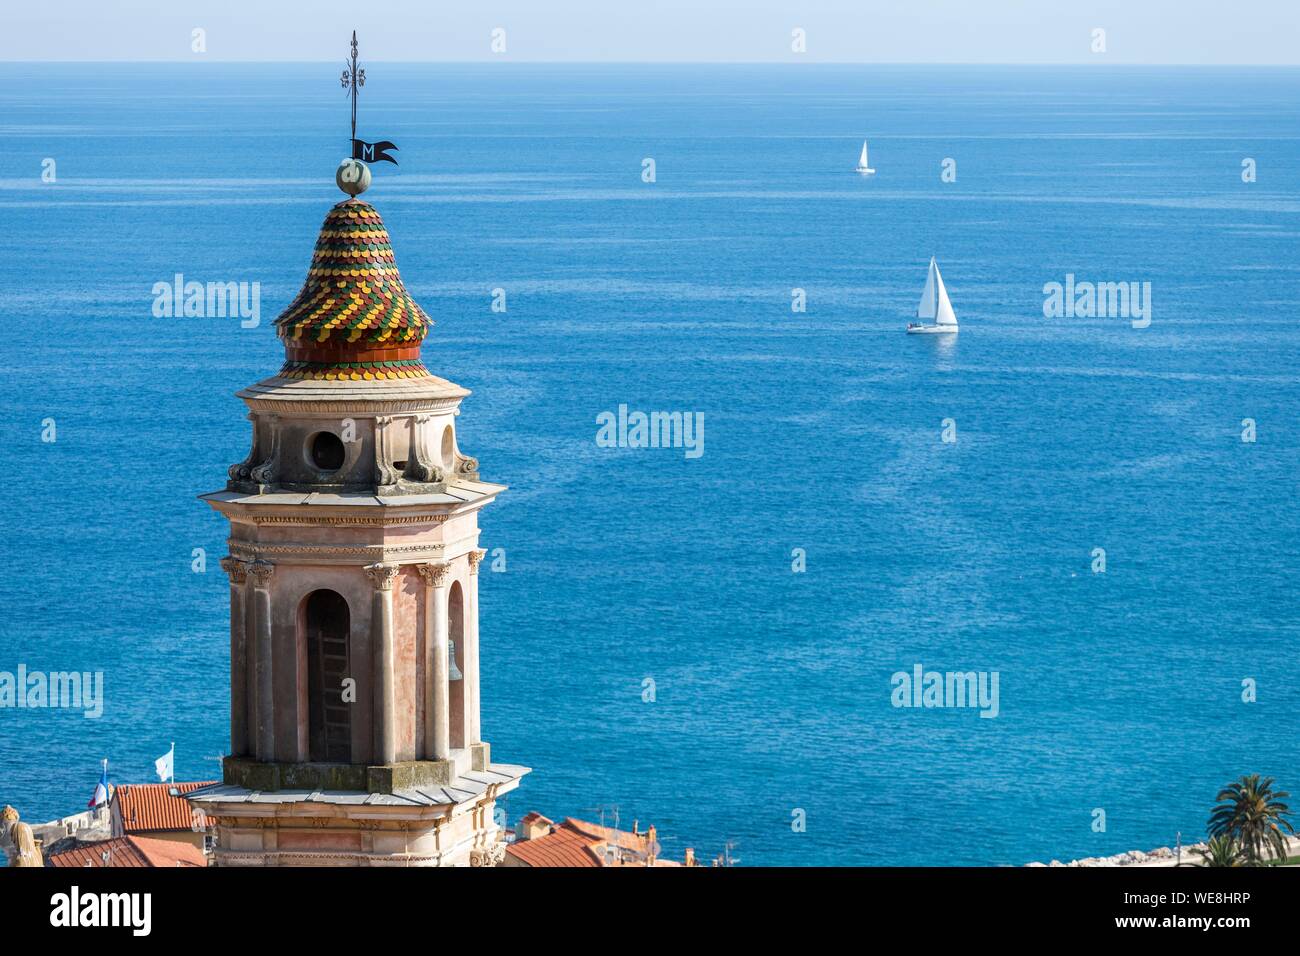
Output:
(353, 318)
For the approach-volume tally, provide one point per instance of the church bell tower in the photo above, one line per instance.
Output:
(354, 599)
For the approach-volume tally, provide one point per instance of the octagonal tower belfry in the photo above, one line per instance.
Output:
(354, 600)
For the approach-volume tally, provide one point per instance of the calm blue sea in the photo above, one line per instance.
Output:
(1120, 691)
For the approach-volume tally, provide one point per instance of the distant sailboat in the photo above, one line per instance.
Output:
(863, 168)
(934, 306)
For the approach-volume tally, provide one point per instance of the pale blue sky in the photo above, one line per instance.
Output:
(866, 31)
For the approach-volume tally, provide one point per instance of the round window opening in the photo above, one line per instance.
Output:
(327, 451)
(448, 449)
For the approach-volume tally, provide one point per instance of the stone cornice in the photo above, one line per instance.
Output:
(374, 512)
(341, 520)
(308, 858)
(364, 408)
(376, 553)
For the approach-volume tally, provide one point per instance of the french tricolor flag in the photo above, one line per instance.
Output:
(101, 790)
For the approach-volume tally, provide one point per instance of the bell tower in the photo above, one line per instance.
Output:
(354, 600)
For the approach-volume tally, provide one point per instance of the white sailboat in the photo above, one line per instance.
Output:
(934, 306)
(863, 168)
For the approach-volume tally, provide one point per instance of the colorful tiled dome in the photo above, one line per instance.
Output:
(353, 318)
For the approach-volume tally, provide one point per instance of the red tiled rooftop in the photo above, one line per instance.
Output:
(560, 847)
(575, 842)
(596, 833)
(130, 851)
(146, 807)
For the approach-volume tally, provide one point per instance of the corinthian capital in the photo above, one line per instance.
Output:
(261, 572)
(237, 569)
(475, 556)
(382, 576)
(435, 575)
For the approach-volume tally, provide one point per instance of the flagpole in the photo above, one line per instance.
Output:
(173, 763)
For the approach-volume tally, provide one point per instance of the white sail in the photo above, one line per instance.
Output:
(862, 160)
(934, 309)
(926, 309)
(943, 313)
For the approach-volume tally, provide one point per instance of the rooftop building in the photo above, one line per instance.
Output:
(130, 851)
(157, 810)
(579, 843)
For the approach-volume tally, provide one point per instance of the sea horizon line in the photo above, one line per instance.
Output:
(498, 62)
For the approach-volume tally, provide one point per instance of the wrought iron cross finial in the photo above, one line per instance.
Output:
(352, 79)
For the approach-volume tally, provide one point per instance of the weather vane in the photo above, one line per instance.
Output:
(352, 79)
(353, 176)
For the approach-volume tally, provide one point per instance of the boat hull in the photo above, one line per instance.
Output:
(931, 330)
(865, 171)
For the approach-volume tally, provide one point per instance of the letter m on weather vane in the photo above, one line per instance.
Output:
(352, 80)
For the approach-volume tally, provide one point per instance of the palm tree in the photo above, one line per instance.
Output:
(1252, 814)
(1220, 851)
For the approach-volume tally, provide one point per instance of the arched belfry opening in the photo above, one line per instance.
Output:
(326, 626)
(456, 665)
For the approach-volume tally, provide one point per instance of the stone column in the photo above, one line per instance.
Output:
(473, 733)
(381, 630)
(437, 721)
(264, 731)
(238, 572)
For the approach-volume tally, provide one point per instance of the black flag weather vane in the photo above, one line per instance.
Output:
(352, 80)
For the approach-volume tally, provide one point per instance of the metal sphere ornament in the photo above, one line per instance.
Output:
(353, 177)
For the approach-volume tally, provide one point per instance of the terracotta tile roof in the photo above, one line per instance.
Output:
(636, 842)
(581, 843)
(561, 847)
(353, 318)
(146, 807)
(130, 851)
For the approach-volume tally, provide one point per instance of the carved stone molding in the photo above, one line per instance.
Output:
(475, 556)
(261, 572)
(423, 466)
(382, 576)
(348, 520)
(363, 407)
(240, 470)
(268, 472)
(467, 467)
(489, 856)
(385, 474)
(317, 858)
(376, 552)
(237, 569)
(435, 575)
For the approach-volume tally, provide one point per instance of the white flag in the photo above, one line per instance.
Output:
(164, 765)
